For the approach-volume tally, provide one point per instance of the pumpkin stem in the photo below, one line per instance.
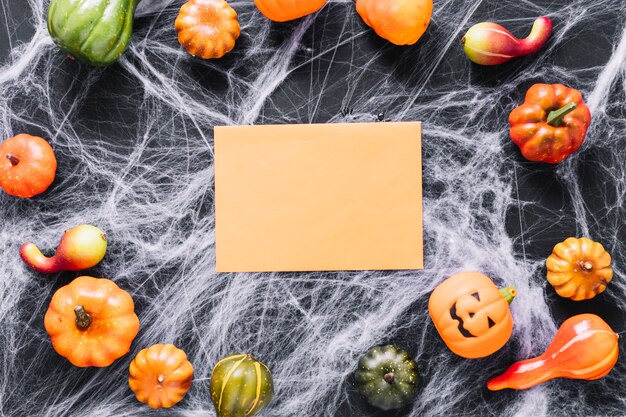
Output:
(161, 378)
(249, 356)
(555, 118)
(83, 319)
(389, 377)
(586, 266)
(14, 159)
(508, 293)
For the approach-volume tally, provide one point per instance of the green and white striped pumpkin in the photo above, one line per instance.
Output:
(240, 386)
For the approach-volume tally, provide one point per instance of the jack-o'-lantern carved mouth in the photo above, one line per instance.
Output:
(462, 329)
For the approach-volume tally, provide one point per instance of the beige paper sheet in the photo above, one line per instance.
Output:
(318, 197)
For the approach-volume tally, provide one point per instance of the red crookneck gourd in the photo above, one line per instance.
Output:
(80, 248)
(584, 347)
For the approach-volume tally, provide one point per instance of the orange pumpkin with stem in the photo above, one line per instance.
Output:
(579, 269)
(401, 22)
(27, 166)
(471, 314)
(160, 376)
(91, 322)
(284, 10)
(207, 28)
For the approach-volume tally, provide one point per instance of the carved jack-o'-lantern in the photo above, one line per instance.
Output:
(471, 314)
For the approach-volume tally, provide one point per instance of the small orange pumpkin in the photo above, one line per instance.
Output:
(284, 10)
(402, 22)
(579, 269)
(160, 376)
(27, 166)
(471, 314)
(91, 322)
(207, 28)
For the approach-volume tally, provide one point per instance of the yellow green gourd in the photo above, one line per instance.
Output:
(241, 386)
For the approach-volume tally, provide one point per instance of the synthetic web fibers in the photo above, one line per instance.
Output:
(134, 143)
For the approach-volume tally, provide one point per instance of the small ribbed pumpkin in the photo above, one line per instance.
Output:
(240, 386)
(579, 269)
(207, 28)
(285, 10)
(160, 376)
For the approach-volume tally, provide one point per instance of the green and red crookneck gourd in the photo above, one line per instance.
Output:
(387, 377)
(489, 43)
(95, 32)
(240, 386)
(81, 247)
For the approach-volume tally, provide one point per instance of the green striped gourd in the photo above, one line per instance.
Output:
(240, 386)
(95, 32)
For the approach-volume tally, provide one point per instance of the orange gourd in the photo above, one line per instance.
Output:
(284, 10)
(207, 28)
(91, 322)
(579, 269)
(160, 376)
(402, 22)
(27, 166)
(471, 314)
(584, 347)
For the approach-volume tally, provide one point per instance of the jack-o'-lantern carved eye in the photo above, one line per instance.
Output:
(471, 314)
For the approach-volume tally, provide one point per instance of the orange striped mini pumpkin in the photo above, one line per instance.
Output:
(207, 28)
(160, 376)
(579, 269)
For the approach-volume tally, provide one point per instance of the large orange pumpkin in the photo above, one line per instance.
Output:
(91, 322)
(579, 269)
(402, 22)
(284, 10)
(471, 314)
(160, 376)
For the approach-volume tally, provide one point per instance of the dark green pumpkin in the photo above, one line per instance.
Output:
(240, 386)
(387, 377)
(95, 32)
